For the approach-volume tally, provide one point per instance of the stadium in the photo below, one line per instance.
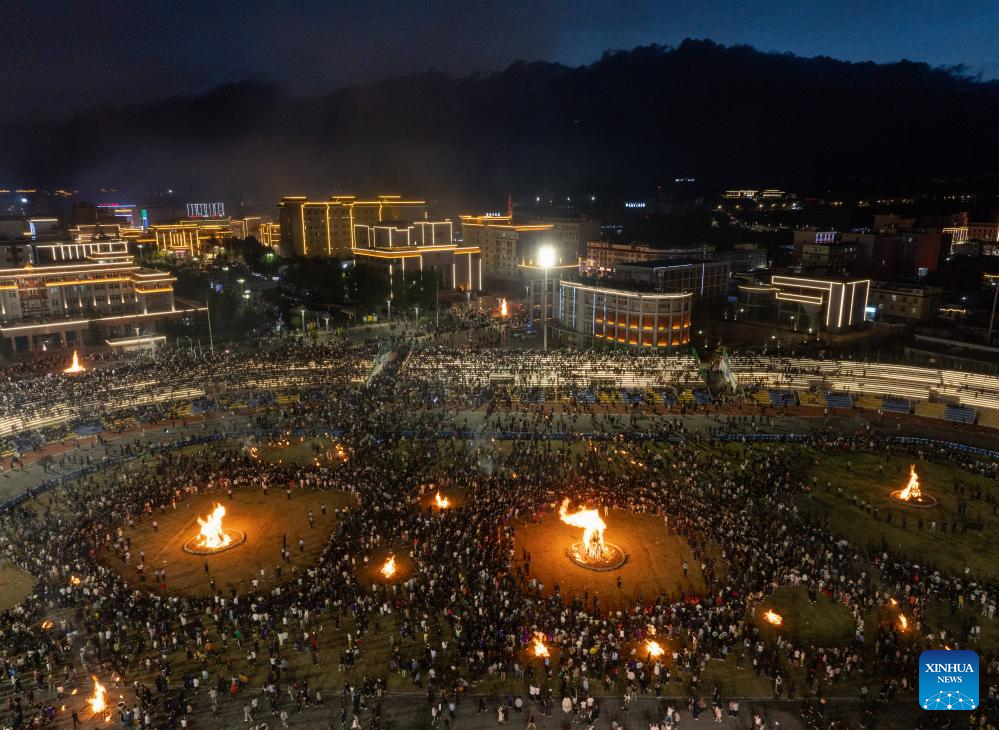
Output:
(356, 530)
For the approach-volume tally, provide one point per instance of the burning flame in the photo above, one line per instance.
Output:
(47, 624)
(442, 502)
(654, 649)
(74, 581)
(97, 703)
(503, 309)
(903, 622)
(388, 570)
(893, 601)
(911, 490)
(540, 650)
(75, 367)
(212, 536)
(591, 522)
(771, 617)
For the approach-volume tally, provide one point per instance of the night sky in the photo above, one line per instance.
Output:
(59, 57)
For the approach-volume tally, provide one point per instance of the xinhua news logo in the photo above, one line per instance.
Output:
(948, 680)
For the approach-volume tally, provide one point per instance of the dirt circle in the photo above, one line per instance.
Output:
(655, 560)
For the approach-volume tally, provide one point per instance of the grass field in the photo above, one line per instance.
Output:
(15, 585)
(300, 450)
(951, 552)
(824, 623)
(263, 519)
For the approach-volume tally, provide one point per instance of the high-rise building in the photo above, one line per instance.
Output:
(327, 227)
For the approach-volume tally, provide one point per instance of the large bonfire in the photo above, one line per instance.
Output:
(592, 524)
(97, 702)
(75, 366)
(212, 536)
(912, 494)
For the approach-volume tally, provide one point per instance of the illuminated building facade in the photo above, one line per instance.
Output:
(592, 314)
(509, 249)
(327, 227)
(189, 239)
(73, 286)
(831, 305)
(402, 247)
(269, 235)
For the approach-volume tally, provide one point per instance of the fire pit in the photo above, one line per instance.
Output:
(212, 538)
(593, 552)
(911, 494)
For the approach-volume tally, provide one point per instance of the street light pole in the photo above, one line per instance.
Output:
(546, 258)
(211, 339)
(995, 298)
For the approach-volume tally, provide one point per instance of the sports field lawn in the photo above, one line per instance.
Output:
(859, 474)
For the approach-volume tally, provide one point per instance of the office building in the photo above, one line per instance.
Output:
(509, 250)
(326, 228)
(570, 234)
(269, 235)
(906, 303)
(706, 280)
(601, 257)
(190, 238)
(829, 304)
(824, 252)
(591, 314)
(70, 289)
(420, 246)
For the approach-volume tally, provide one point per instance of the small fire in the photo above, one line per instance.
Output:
(503, 308)
(771, 617)
(47, 624)
(74, 581)
(442, 502)
(654, 649)
(911, 490)
(893, 601)
(388, 570)
(903, 622)
(591, 522)
(97, 703)
(212, 536)
(75, 367)
(540, 650)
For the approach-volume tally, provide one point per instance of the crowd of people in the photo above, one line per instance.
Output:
(326, 638)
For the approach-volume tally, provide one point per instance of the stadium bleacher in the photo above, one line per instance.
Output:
(838, 400)
(897, 405)
(960, 414)
(781, 398)
(930, 410)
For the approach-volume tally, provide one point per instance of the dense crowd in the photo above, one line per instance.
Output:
(467, 612)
